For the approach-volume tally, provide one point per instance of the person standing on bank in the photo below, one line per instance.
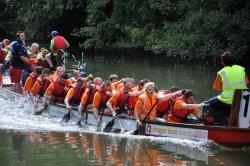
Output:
(19, 61)
(58, 46)
(228, 79)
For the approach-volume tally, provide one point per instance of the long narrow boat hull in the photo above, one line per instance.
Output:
(226, 136)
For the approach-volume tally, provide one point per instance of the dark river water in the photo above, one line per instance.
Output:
(31, 140)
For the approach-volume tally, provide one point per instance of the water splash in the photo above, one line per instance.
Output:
(18, 114)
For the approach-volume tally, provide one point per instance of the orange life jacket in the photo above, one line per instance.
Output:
(44, 84)
(34, 76)
(163, 107)
(78, 93)
(178, 115)
(129, 106)
(59, 43)
(104, 99)
(59, 91)
(91, 94)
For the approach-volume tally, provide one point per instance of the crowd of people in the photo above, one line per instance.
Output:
(40, 73)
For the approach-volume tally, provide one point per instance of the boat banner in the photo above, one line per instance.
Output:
(179, 132)
(244, 112)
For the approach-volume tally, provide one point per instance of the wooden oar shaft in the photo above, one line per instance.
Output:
(121, 108)
(110, 124)
(143, 121)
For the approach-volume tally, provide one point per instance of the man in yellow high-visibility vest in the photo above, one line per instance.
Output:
(228, 79)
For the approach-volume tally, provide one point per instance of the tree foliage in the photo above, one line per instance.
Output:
(39, 17)
(173, 27)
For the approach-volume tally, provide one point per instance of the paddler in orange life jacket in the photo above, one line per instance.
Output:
(183, 107)
(75, 93)
(164, 105)
(141, 85)
(56, 91)
(145, 102)
(41, 84)
(58, 73)
(58, 44)
(123, 99)
(32, 79)
(76, 75)
(86, 100)
(98, 82)
(113, 78)
(100, 99)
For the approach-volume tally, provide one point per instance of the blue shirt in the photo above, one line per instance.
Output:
(18, 49)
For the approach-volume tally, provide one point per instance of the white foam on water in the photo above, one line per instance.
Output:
(19, 115)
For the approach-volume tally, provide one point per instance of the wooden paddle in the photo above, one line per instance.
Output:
(111, 123)
(66, 117)
(78, 123)
(136, 132)
(100, 122)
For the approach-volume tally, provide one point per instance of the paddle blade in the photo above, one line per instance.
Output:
(136, 132)
(109, 126)
(139, 130)
(66, 117)
(99, 126)
(79, 123)
(38, 112)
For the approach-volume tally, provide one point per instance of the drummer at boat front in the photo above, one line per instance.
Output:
(228, 79)
(183, 107)
(56, 92)
(75, 93)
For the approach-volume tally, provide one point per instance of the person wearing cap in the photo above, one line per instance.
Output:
(229, 78)
(58, 45)
(19, 61)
